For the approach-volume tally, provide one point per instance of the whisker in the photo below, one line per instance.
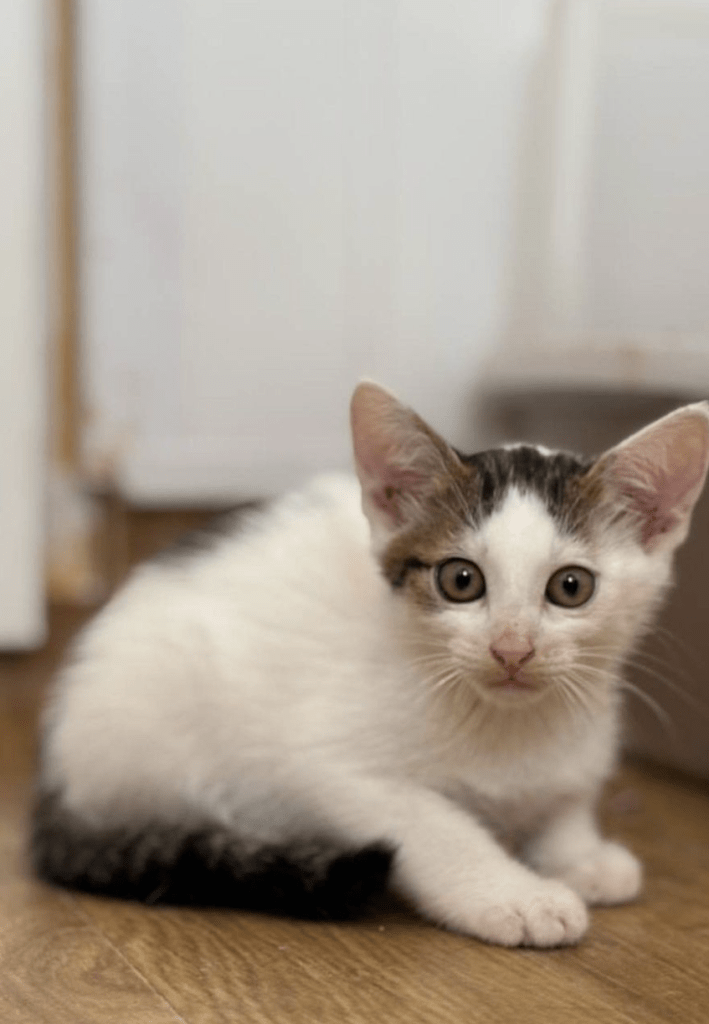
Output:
(594, 669)
(655, 659)
(569, 696)
(431, 660)
(566, 697)
(637, 661)
(447, 681)
(653, 673)
(665, 635)
(638, 658)
(578, 696)
(691, 701)
(658, 710)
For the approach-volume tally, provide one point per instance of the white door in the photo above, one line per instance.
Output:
(279, 197)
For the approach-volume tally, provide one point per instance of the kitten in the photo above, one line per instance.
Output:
(430, 691)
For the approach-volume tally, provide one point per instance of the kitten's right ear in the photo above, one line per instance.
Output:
(400, 461)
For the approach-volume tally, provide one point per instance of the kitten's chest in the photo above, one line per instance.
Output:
(511, 790)
(511, 805)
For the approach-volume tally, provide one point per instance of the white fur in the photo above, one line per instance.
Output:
(280, 684)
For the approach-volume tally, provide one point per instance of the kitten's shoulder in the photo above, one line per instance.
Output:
(328, 502)
(330, 495)
(326, 490)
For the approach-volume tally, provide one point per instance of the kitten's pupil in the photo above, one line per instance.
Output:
(462, 580)
(571, 585)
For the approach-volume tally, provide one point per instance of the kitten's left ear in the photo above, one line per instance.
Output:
(400, 461)
(659, 474)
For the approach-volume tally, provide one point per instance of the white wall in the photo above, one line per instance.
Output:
(278, 198)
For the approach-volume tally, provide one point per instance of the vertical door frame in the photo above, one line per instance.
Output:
(23, 351)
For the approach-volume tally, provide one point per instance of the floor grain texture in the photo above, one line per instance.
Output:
(69, 958)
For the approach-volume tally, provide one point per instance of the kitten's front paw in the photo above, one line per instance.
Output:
(543, 913)
(608, 875)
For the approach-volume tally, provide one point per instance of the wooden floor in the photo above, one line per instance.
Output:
(68, 958)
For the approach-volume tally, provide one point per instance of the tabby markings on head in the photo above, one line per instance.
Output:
(479, 488)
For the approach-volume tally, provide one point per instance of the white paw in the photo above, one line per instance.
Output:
(609, 874)
(543, 912)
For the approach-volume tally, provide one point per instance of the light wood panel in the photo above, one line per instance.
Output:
(392, 968)
(56, 968)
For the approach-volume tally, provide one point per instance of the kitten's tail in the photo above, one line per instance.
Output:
(205, 866)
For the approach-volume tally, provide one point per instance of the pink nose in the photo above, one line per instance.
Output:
(512, 653)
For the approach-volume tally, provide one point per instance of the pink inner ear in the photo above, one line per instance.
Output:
(658, 513)
(393, 454)
(386, 483)
(663, 478)
(389, 492)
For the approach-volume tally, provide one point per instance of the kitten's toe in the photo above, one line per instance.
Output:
(608, 875)
(543, 915)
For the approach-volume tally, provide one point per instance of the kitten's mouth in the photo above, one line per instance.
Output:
(513, 683)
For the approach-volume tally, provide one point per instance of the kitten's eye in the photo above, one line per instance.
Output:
(460, 580)
(571, 587)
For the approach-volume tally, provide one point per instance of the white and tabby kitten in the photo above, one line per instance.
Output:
(317, 699)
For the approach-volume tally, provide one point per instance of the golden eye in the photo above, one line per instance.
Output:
(460, 580)
(571, 587)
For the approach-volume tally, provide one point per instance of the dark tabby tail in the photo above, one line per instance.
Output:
(207, 867)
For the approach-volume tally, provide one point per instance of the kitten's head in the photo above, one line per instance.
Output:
(522, 572)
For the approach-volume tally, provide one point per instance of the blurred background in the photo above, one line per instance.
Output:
(217, 215)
